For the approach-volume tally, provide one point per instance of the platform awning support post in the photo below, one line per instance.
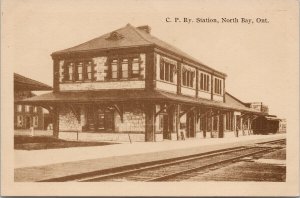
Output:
(150, 122)
(55, 113)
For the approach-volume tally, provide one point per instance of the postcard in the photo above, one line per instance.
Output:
(149, 98)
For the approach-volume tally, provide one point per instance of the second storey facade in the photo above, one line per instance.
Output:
(148, 68)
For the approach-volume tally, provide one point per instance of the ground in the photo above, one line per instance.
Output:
(43, 142)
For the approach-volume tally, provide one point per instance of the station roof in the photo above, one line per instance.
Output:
(272, 118)
(26, 84)
(133, 95)
(125, 37)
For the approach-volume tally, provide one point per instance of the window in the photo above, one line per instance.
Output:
(218, 86)
(167, 71)
(79, 71)
(69, 73)
(89, 71)
(161, 122)
(114, 69)
(125, 68)
(35, 109)
(171, 73)
(27, 108)
(204, 82)
(188, 78)
(19, 108)
(162, 70)
(135, 71)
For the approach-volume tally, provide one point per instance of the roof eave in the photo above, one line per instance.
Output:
(182, 57)
(63, 53)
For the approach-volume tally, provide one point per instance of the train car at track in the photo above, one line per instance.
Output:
(266, 124)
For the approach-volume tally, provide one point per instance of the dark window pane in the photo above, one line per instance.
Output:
(114, 69)
(167, 71)
(187, 78)
(201, 81)
(162, 70)
(135, 68)
(192, 79)
(207, 83)
(125, 68)
(70, 71)
(171, 72)
(88, 70)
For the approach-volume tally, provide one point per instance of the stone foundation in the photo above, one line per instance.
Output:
(94, 137)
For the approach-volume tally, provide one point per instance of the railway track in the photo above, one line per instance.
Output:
(168, 170)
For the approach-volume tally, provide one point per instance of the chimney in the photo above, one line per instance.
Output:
(145, 28)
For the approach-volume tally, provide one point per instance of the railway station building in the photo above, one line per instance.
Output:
(128, 85)
(26, 116)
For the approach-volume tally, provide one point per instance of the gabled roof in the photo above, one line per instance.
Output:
(233, 100)
(26, 84)
(130, 96)
(129, 36)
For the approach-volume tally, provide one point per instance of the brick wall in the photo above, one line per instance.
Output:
(68, 121)
(133, 120)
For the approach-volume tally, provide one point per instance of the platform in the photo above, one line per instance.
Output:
(52, 163)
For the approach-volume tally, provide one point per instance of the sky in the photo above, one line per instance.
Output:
(259, 59)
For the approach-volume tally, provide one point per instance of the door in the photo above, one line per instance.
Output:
(105, 120)
(190, 125)
(166, 134)
(109, 120)
(27, 122)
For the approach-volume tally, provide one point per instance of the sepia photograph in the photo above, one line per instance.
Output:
(160, 98)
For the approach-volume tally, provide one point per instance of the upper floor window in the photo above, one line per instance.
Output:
(188, 78)
(79, 70)
(167, 71)
(89, 70)
(124, 68)
(27, 108)
(135, 68)
(204, 82)
(114, 69)
(69, 71)
(34, 109)
(218, 86)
